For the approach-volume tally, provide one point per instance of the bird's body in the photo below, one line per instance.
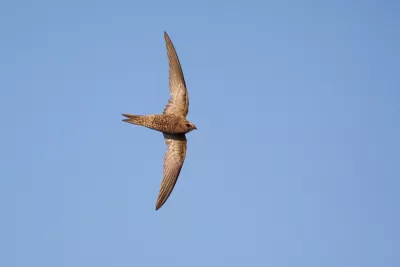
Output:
(172, 123)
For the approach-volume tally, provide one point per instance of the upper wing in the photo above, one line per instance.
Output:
(173, 162)
(179, 100)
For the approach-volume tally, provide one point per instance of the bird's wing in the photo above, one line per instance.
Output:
(179, 100)
(173, 162)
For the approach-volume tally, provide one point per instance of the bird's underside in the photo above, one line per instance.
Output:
(172, 123)
(164, 123)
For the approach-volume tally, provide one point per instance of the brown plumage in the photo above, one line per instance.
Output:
(172, 123)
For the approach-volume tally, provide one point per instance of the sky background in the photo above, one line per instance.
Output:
(296, 160)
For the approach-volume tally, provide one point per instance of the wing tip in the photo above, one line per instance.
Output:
(159, 204)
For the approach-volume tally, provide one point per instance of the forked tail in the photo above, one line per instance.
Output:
(134, 119)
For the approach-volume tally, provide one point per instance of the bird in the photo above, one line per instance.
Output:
(172, 123)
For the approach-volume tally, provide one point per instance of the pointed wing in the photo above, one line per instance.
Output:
(173, 162)
(179, 100)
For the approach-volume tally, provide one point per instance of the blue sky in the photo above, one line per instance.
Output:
(296, 161)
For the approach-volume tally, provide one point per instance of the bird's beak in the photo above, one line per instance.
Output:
(195, 128)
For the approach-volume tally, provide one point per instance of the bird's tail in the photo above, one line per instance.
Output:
(134, 119)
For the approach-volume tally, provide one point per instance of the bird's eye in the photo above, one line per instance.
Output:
(188, 125)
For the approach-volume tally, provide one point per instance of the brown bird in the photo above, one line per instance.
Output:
(172, 123)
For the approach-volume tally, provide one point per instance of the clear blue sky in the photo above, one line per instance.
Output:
(296, 161)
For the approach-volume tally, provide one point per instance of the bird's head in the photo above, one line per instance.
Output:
(190, 126)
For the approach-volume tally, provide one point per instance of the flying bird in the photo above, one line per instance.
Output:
(172, 123)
